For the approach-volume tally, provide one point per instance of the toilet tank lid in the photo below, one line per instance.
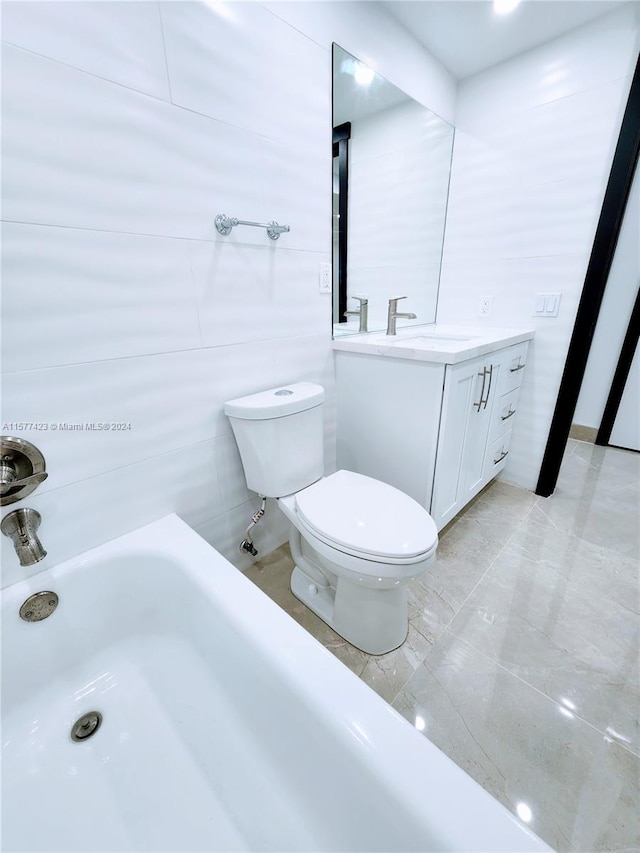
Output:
(276, 402)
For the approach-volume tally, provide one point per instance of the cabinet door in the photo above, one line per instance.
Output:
(480, 417)
(466, 416)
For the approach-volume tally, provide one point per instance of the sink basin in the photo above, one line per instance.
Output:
(431, 340)
(438, 344)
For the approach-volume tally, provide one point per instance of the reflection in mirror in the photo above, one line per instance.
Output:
(391, 166)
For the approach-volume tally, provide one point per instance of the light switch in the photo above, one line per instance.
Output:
(546, 304)
(552, 304)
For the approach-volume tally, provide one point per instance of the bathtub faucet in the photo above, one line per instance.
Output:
(21, 526)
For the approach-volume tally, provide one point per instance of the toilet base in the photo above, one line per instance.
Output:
(374, 621)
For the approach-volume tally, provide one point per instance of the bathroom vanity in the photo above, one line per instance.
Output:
(429, 410)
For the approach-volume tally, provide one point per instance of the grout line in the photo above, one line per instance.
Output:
(542, 693)
(489, 567)
(141, 461)
(91, 74)
(214, 240)
(154, 354)
(164, 51)
(285, 143)
(446, 627)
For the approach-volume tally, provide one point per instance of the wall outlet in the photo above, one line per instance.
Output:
(325, 278)
(486, 303)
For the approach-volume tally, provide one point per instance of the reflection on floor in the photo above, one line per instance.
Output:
(521, 662)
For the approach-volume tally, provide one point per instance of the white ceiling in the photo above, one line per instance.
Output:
(466, 36)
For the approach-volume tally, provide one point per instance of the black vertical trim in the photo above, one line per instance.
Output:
(620, 376)
(616, 194)
(341, 136)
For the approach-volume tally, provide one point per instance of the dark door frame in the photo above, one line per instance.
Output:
(620, 376)
(341, 137)
(616, 195)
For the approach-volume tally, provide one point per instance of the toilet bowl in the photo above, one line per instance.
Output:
(356, 542)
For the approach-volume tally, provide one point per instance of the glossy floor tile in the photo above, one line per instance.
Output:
(522, 659)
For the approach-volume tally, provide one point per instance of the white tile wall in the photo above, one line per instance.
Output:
(119, 41)
(366, 30)
(84, 153)
(269, 292)
(95, 509)
(534, 143)
(126, 128)
(246, 70)
(96, 295)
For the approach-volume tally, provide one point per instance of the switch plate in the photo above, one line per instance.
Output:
(325, 278)
(486, 303)
(546, 304)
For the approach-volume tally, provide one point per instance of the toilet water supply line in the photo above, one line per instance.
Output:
(247, 546)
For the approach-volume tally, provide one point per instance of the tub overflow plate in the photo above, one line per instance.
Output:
(39, 606)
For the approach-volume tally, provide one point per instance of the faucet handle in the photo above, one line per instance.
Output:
(7, 483)
(393, 303)
(22, 469)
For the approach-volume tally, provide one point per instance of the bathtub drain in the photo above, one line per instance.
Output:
(86, 726)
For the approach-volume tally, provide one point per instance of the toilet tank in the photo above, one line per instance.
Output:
(279, 434)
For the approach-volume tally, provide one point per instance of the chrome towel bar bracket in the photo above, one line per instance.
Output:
(224, 225)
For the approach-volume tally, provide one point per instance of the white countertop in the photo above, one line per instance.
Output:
(436, 343)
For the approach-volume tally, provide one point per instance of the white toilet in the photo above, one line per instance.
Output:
(356, 542)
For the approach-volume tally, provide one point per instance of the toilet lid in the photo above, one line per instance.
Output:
(367, 516)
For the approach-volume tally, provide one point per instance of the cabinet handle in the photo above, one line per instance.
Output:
(478, 405)
(501, 457)
(515, 369)
(489, 388)
(509, 414)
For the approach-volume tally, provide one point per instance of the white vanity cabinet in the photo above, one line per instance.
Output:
(479, 404)
(437, 431)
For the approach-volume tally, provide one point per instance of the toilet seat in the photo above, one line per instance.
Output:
(367, 519)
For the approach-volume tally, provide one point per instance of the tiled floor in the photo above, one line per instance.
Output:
(521, 662)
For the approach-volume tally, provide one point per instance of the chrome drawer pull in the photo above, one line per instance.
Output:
(489, 388)
(501, 457)
(484, 379)
(515, 369)
(509, 414)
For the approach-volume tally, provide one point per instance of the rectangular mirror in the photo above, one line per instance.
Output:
(391, 167)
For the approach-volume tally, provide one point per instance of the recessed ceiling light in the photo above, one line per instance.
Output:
(501, 7)
(524, 812)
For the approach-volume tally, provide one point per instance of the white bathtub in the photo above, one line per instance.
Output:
(225, 726)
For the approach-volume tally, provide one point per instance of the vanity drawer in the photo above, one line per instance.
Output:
(504, 410)
(497, 455)
(512, 364)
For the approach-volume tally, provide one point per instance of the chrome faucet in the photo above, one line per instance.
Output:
(362, 312)
(21, 526)
(394, 314)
